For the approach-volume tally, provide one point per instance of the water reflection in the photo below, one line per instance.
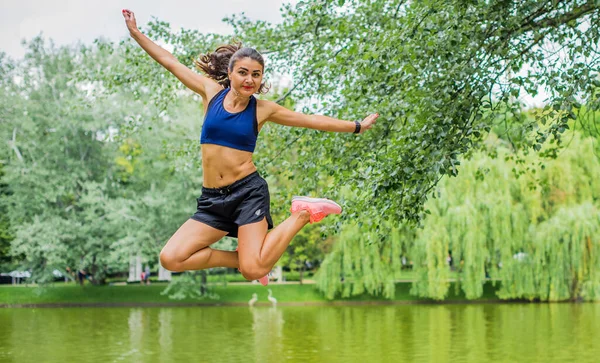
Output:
(136, 331)
(165, 333)
(415, 333)
(267, 328)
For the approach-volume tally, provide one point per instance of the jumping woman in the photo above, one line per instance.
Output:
(235, 198)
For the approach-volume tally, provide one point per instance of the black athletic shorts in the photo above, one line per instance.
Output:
(243, 202)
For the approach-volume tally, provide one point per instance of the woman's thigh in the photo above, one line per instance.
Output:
(250, 242)
(191, 237)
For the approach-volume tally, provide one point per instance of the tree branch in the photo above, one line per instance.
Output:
(13, 143)
(562, 19)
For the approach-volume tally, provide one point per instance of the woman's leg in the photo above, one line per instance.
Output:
(259, 250)
(188, 249)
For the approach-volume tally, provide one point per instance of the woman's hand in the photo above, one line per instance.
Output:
(130, 20)
(368, 122)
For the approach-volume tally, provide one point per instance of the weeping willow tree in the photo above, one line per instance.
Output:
(537, 234)
(354, 267)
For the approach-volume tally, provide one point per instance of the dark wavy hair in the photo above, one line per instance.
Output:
(216, 64)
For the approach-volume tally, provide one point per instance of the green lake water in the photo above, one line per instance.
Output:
(367, 333)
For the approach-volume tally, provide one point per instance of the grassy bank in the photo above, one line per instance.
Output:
(232, 294)
(403, 275)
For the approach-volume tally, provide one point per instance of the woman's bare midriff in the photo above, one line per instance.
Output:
(222, 165)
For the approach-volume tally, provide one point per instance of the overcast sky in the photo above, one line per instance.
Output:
(66, 21)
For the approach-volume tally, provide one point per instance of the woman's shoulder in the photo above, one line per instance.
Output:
(217, 89)
(265, 104)
(212, 95)
(264, 109)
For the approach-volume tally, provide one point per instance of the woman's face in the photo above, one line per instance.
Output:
(246, 76)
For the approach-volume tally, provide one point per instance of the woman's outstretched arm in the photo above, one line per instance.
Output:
(194, 81)
(281, 115)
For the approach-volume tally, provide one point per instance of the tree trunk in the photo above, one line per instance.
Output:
(203, 282)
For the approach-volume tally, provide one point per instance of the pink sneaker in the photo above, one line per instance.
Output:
(318, 208)
(263, 280)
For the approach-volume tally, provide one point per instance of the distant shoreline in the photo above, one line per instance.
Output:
(232, 295)
(265, 304)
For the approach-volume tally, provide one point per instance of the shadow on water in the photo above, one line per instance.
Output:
(390, 333)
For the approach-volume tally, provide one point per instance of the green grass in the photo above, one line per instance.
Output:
(219, 278)
(233, 293)
(403, 275)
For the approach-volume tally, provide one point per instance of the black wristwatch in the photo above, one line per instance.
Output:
(357, 129)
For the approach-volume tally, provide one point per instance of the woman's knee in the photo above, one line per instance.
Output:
(253, 271)
(169, 260)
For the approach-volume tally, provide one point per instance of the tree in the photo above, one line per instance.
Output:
(91, 180)
(5, 236)
(53, 162)
(438, 72)
(536, 234)
(442, 75)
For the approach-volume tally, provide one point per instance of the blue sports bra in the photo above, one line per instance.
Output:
(234, 130)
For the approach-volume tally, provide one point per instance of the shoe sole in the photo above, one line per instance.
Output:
(313, 200)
